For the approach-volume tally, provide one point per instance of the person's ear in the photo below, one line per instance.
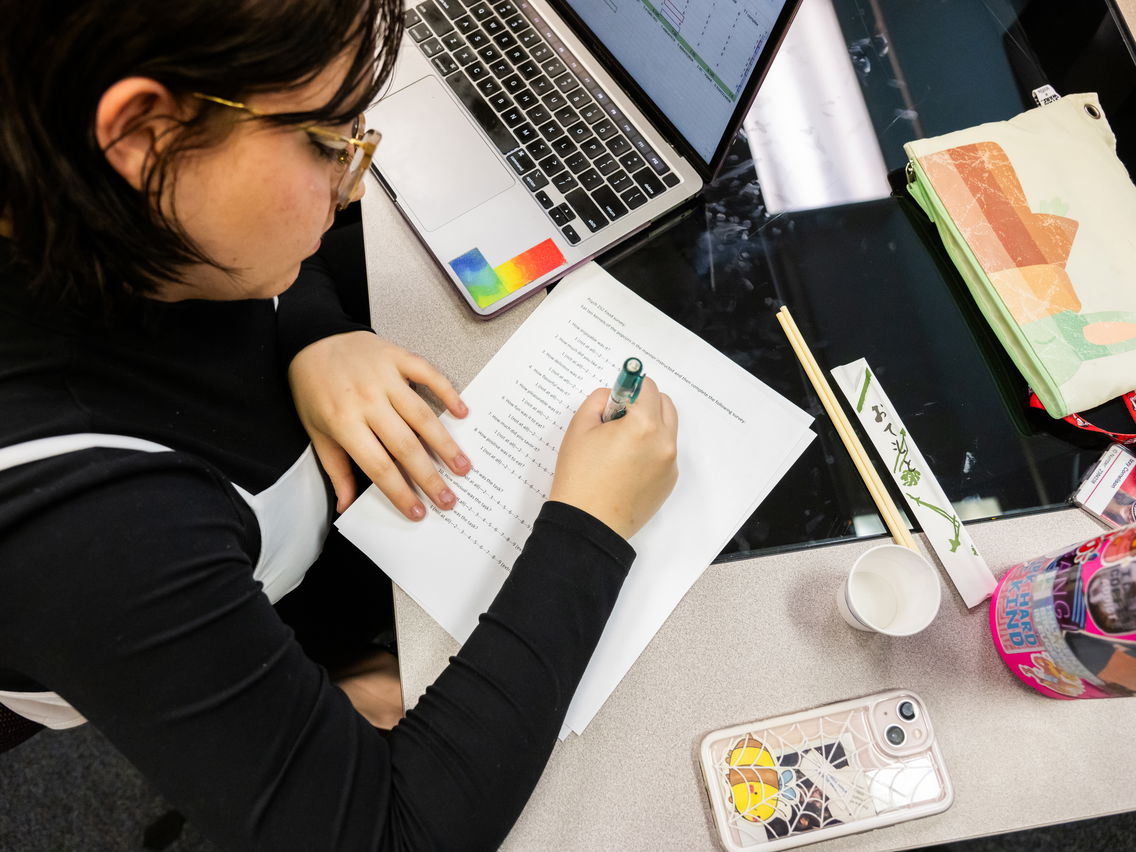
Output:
(131, 117)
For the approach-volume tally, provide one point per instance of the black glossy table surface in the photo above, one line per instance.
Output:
(868, 279)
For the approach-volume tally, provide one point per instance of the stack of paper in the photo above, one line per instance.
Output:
(737, 438)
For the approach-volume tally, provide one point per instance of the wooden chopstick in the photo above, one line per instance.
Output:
(886, 506)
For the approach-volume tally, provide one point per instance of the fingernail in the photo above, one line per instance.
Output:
(461, 462)
(446, 497)
(417, 512)
(463, 409)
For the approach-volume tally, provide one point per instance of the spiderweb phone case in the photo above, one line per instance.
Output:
(823, 773)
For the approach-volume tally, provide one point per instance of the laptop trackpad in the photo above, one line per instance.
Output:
(437, 163)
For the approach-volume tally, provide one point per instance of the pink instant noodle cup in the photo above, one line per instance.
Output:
(1065, 623)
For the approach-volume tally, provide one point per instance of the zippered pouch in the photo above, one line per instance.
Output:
(1039, 216)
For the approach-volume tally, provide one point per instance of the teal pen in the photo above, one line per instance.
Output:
(625, 390)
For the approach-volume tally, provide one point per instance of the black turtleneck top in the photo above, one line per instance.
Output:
(126, 587)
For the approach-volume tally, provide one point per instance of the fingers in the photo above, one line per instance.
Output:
(589, 413)
(404, 446)
(338, 466)
(422, 372)
(360, 442)
(418, 415)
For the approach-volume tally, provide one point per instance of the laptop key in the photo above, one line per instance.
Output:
(534, 180)
(541, 85)
(670, 179)
(505, 9)
(517, 25)
(567, 116)
(488, 86)
(586, 209)
(634, 198)
(526, 99)
(563, 146)
(464, 56)
(554, 67)
(543, 199)
(647, 181)
(592, 147)
(542, 52)
(476, 71)
(430, 13)
(577, 162)
(528, 69)
(620, 181)
(631, 161)
(500, 68)
(465, 24)
(527, 37)
(494, 128)
(579, 98)
(420, 32)
(618, 145)
(452, 8)
(609, 202)
(606, 164)
(569, 213)
(410, 18)
(513, 84)
(489, 54)
(453, 41)
(444, 64)
(512, 116)
(591, 113)
(566, 82)
(525, 132)
(538, 148)
(516, 54)
(557, 216)
(551, 130)
(498, 100)
(579, 132)
(554, 101)
(538, 115)
(504, 40)
(521, 162)
(481, 11)
(552, 165)
(590, 179)
(604, 129)
(477, 39)
(564, 182)
(570, 234)
(431, 47)
(492, 26)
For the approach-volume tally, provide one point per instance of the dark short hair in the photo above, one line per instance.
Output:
(83, 234)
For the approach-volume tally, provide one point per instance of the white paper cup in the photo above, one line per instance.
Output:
(890, 590)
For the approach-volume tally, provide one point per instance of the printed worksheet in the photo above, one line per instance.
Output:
(737, 438)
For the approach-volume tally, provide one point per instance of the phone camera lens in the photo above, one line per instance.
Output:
(906, 710)
(895, 735)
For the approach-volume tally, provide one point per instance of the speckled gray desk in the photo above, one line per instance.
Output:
(760, 637)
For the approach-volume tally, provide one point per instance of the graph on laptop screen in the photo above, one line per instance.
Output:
(691, 57)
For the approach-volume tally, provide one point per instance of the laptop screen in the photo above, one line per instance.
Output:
(693, 58)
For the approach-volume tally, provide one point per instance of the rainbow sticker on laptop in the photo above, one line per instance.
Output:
(488, 284)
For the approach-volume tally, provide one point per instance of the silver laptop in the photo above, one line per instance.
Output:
(521, 138)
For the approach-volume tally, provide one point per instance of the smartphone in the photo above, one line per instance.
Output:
(823, 773)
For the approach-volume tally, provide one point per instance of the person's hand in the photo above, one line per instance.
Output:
(353, 395)
(619, 472)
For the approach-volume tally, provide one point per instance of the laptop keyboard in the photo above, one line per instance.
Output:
(578, 154)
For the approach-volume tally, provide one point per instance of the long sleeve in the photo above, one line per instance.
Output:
(129, 591)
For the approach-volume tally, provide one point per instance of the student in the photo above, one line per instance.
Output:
(164, 172)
